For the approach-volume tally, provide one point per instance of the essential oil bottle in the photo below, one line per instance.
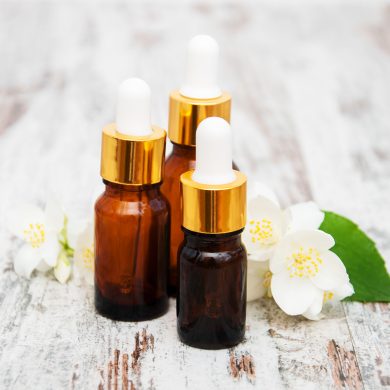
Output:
(211, 298)
(132, 216)
(199, 97)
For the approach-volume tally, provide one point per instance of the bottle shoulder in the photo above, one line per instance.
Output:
(136, 203)
(179, 162)
(214, 257)
(175, 166)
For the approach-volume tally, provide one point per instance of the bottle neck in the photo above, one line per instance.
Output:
(115, 189)
(184, 151)
(212, 242)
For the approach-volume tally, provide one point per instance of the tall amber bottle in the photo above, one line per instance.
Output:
(132, 216)
(211, 299)
(199, 98)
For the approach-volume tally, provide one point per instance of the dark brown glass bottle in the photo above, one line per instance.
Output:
(131, 252)
(211, 299)
(182, 159)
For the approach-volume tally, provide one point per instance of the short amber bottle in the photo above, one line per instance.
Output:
(131, 252)
(211, 302)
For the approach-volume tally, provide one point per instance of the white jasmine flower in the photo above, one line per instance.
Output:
(84, 260)
(266, 223)
(41, 231)
(305, 273)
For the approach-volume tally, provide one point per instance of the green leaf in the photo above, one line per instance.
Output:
(365, 266)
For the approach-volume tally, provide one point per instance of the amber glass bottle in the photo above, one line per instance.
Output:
(211, 304)
(179, 161)
(131, 252)
(132, 218)
(185, 114)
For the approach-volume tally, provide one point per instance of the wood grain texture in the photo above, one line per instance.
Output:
(310, 84)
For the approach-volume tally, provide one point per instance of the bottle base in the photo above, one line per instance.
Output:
(201, 341)
(113, 311)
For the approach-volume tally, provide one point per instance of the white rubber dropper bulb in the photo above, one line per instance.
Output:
(133, 108)
(201, 79)
(213, 152)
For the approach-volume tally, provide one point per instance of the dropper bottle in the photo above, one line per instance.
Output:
(132, 216)
(212, 268)
(199, 97)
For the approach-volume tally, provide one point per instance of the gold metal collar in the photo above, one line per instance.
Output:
(185, 114)
(135, 160)
(213, 209)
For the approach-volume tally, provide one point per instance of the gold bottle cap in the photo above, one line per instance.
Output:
(135, 160)
(211, 208)
(185, 114)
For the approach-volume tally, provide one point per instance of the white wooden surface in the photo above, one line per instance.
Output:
(311, 88)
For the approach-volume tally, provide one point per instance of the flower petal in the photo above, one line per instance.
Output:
(26, 260)
(343, 291)
(261, 256)
(277, 261)
(259, 210)
(306, 215)
(314, 310)
(50, 249)
(84, 255)
(331, 273)
(310, 238)
(63, 270)
(76, 228)
(291, 242)
(257, 188)
(42, 266)
(20, 217)
(255, 286)
(293, 295)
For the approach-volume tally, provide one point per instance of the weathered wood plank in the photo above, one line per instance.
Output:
(344, 137)
(53, 338)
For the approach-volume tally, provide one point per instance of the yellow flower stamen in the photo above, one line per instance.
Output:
(328, 296)
(261, 231)
(88, 257)
(304, 263)
(267, 283)
(267, 279)
(35, 234)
